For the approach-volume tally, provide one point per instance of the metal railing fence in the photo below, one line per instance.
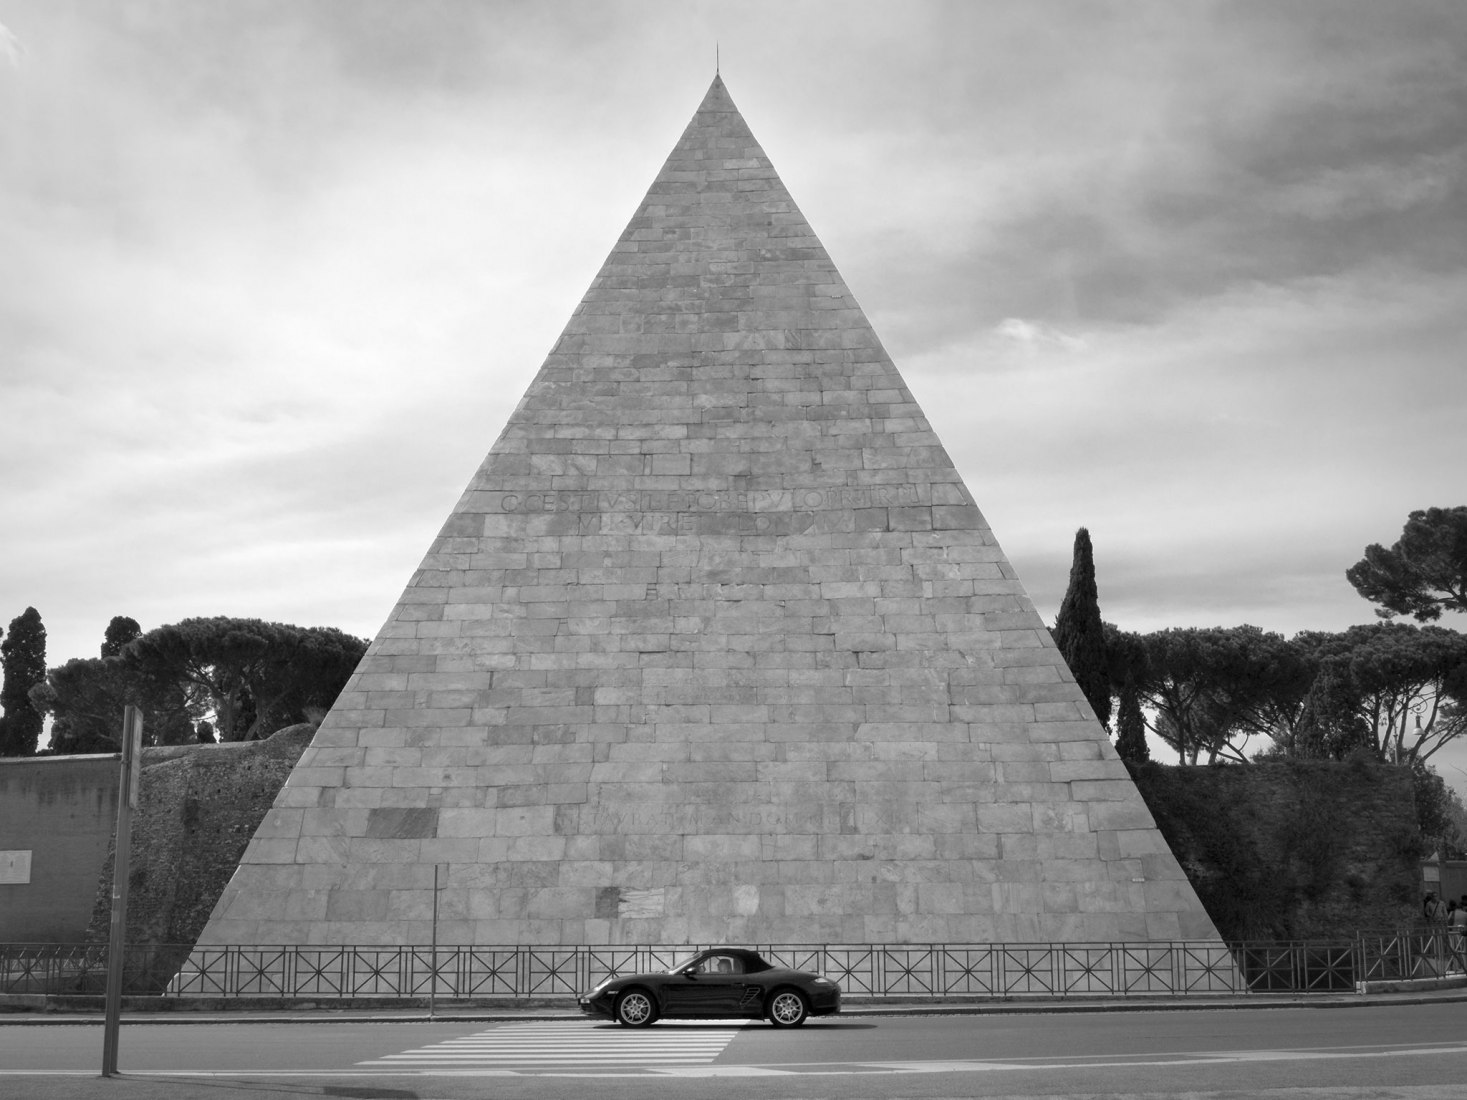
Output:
(915, 971)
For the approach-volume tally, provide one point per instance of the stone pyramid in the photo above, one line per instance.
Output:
(716, 647)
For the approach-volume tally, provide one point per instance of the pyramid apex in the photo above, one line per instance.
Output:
(717, 97)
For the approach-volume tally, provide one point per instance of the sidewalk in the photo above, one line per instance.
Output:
(28, 1010)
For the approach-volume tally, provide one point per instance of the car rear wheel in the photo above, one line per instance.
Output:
(634, 1008)
(787, 1008)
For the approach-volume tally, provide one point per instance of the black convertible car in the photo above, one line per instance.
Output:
(723, 983)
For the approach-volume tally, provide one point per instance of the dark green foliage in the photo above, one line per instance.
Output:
(252, 677)
(86, 698)
(1240, 892)
(1330, 728)
(1129, 671)
(1439, 812)
(1130, 725)
(120, 631)
(1424, 573)
(1292, 849)
(257, 677)
(1213, 688)
(24, 655)
(1078, 631)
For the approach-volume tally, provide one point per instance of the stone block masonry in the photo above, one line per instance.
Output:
(715, 647)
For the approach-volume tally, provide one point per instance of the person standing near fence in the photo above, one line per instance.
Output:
(1457, 934)
(1433, 909)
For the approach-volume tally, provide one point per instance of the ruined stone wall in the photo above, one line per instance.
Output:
(198, 809)
(1291, 850)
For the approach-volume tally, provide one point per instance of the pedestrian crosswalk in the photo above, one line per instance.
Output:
(569, 1043)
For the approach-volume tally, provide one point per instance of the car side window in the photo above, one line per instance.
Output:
(720, 964)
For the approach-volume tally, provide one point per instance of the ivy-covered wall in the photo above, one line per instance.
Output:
(1295, 850)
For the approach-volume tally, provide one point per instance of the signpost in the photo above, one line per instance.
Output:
(127, 801)
(433, 966)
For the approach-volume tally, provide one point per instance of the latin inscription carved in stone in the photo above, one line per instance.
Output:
(710, 500)
(706, 512)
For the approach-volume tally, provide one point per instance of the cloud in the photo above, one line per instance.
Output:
(10, 48)
(1233, 461)
(1032, 336)
(1365, 189)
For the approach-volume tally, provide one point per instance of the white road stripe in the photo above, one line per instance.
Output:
(568, 1044)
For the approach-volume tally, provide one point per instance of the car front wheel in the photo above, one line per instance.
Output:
(787, 1008)
(634, 1008)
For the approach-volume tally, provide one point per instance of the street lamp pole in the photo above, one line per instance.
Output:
(127, 801)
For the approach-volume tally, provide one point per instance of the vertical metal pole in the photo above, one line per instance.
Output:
(127, 800)
(433, 950)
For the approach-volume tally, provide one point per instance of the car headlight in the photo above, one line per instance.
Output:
(823, 981)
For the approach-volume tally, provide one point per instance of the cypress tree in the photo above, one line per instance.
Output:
(24, 656)
(1078, 631)
(1130, 726)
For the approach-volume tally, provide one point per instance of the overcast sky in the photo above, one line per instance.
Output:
(274, 274)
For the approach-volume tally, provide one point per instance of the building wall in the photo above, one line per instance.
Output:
(62, 811)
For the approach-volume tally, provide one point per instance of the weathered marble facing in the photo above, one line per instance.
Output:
(716, 646)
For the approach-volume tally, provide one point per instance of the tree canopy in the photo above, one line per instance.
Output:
(1127, 668)
(121, 630)
(251, 677)
(86, 698)
(1393, 692)
(244, 677)
(1440, 813)
(1424, 573)
(23, 653)
(1078, 631)
(1397, 691)
(1212, 689)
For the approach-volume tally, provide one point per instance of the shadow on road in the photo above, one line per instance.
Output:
(813, 1025)
(198, 1088)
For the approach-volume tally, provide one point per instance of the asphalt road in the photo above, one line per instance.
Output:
(1380, 1052)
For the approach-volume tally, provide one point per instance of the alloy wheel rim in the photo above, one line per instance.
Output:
(635, 1008)
(787, 1007)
